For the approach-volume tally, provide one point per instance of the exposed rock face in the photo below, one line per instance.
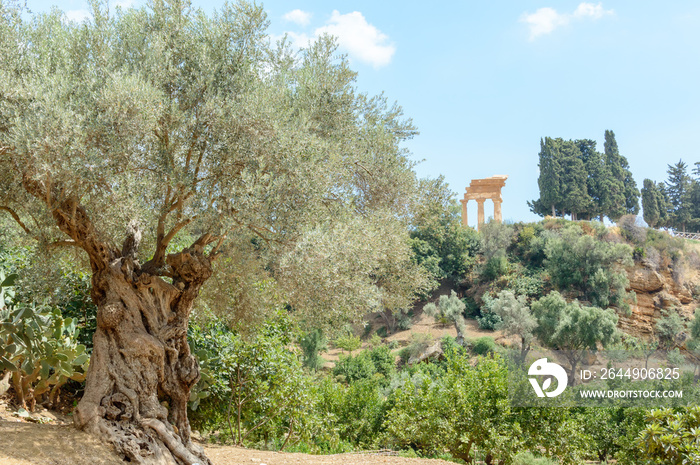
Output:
(656, 292)
(645, 280)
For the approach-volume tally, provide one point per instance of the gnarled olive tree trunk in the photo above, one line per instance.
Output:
(141, 370)
(141, 359)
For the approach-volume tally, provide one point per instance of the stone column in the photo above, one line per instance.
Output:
(480, 202)
(465, 222)
(497, 210)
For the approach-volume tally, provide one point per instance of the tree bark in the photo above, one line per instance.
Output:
(141, 361)
(141, 369)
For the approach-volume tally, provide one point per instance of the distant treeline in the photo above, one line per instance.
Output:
(674, 203)
(577, 180)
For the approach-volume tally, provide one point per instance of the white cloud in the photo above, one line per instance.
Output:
(362, 40)
(594, 11)
(545, 20)
(302, 18)
(78, 16)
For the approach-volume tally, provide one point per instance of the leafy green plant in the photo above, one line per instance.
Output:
(40, 348)
(573, 328)
(484, 345)
(348, 342)
(668, 327)
(526, 458)
(671, 438)
(312, 344)
(591, 267)
(254, 386)
(463, 411)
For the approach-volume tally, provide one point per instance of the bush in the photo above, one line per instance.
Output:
(495, 268)
(349, 342)
(404, 322)
(471, 309)
(526, 458)
(671, 437)
(356, 412)
(488, 320)
(464, 410)
(377, 363)
(593, 268)
(258, 380)
(668, 327)
(312, 344)
(484, 345)
(41, 349)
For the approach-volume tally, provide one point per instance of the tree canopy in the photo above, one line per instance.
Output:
(576, 179)
(674, 203)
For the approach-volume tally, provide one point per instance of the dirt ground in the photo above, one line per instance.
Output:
(57, 442)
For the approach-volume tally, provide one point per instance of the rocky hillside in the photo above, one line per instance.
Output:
(656, 292)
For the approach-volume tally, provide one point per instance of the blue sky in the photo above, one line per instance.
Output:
(484, 81)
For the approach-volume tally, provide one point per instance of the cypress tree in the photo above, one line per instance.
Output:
(624, 195)
(550, 179)
(650, 203)
(575, 198)
(678, 187)
(597, 177)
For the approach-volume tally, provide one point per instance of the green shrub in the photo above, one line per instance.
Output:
(383, 360)
(356, 411)
(668, 327)
(471, 309)
(312, 344)
(41, 349)
(671, 438)
(348, 342)
(404, 321)
(251, 388)
(593, 268)
(463, 410)
(495, 268)
(484, 345)
(526, 458)
(354, 368)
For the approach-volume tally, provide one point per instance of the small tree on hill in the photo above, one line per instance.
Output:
(516, 318)
(450, 309)
(573, 328)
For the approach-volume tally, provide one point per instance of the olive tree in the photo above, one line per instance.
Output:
(573, 328)
(516, 319)
(450, 309)
(162, 143)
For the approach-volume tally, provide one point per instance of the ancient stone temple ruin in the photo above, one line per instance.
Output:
(482, 190)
